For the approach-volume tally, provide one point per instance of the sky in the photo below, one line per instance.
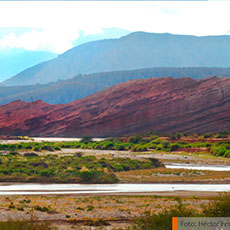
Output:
(55, 26)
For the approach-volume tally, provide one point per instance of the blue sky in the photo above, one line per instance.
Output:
(58, 26)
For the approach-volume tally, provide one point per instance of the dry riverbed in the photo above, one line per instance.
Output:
(72, 211)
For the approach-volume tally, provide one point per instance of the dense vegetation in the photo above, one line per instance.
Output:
(163, 220)
(76, 169)
(221, 148)
(216, 144)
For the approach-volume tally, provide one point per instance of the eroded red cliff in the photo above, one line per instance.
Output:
(156, 104)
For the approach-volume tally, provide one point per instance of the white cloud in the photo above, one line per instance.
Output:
(38, 40)
(57, 24)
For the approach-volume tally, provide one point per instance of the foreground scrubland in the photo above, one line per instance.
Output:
(145, 212)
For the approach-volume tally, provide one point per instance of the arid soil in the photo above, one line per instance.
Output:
(72, 211)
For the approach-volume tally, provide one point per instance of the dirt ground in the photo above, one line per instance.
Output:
(76, 211)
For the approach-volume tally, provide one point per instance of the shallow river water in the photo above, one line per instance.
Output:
(198, 167)
(28, 189)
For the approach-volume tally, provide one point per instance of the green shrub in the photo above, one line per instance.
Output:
(219, 151)
(89, 208)
(159, 147)
(207, 135)
(48, 148)
(156, 163)
(86, 139)
(120, 147)
(163, 220)
(219, 208)
(166, 144)
(135, 139)
(30, 154)
(138, 148)
(223, 134)
(47, 173)
(28, 147)
(41, 209)
(57, 148)
(175, 136)
(110, 178)
(174, 147)
(13, 153)
(88, 176)
(11, 206)
(37, 149)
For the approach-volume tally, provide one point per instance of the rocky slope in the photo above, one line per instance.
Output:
(134, 51)
(155, 104)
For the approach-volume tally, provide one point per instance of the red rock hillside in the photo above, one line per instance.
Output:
(156, 104)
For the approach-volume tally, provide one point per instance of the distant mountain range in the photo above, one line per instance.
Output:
(65, 91)
(15, 60)
(155, 104)
(134, 51)
(105, 33)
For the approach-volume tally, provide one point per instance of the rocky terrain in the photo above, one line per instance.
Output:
(155, 104)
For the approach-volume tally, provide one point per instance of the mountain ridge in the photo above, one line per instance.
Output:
(154, 104)
(133, 51)
(65, 91)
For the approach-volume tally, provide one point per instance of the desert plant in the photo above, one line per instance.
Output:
(163, 220)
(219, 208)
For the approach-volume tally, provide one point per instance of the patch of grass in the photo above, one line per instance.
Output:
(25, 225)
